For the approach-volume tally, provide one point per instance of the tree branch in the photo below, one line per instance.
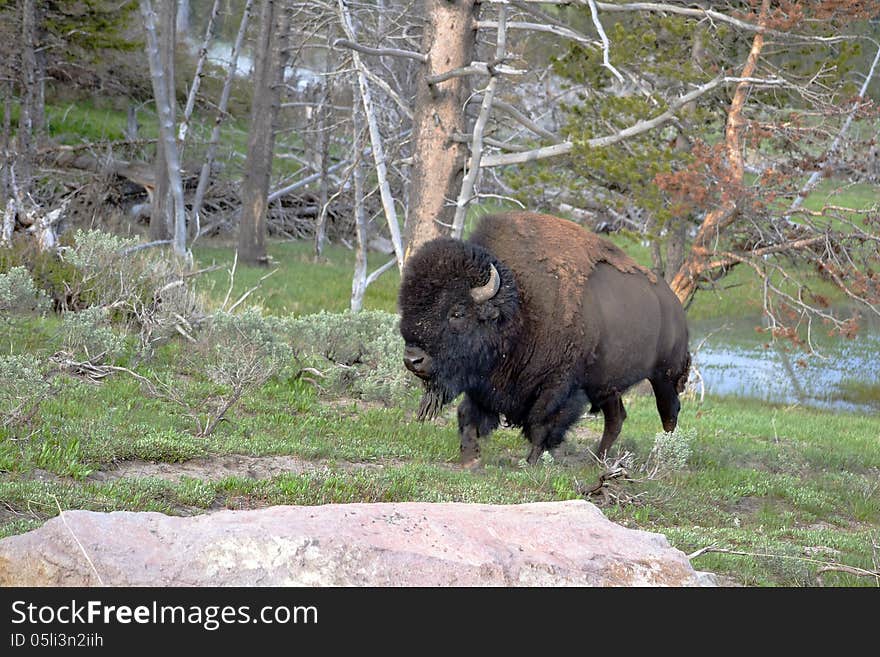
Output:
(380, 52)
(520, 118)
(565, 147)
(606, 44)
(214, 140)
(475, 68)
(375, 140)
(816, 176)
(199, 74)
(558, 30)
(693, 12)
(470, 180)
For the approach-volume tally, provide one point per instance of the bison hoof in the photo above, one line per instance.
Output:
(534, 455)
(471, 463)
(470, 456)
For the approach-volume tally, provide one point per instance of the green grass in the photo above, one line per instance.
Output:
(764, 480)
(789, 487)
(301, 284)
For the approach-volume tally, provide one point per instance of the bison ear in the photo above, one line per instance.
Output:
(488, 312)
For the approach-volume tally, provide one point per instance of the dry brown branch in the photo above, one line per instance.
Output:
(684, 283)
(825, 566)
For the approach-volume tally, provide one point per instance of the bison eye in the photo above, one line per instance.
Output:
(456, 316)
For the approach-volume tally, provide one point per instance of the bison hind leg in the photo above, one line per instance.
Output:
(614, 414)
(668, 404)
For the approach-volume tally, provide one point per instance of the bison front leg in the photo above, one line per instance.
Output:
(474, 423)
(547, 430)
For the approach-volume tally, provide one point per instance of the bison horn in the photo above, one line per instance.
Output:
(490, 289)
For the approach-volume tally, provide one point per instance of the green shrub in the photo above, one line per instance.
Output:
(57, 279)
(359, 354)
(18, 294)
(88, 334)
(244, 349)
(147, 289)
(670, 452)
(23, 386)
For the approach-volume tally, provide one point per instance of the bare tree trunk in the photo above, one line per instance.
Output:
(200, 66)
(675, 247)
(359, 280)
(698, 260)
(469, 185)
(375, 140)
(324, 120)
(166, 125)
(182, 16)
(271, 55)
(5, 143)
(131, 123)
(162, 212)
(28, 97)
(205, 173)
(438, 161)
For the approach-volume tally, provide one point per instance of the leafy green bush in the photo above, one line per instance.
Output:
(23, 385)
(88, 334)
(359, 354)
(52, 275)
(18, 294)
(670, 452)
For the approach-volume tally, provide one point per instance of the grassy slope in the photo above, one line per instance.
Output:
(794, 483)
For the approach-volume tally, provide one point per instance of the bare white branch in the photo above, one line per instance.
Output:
(375, 139)
(636, 129)
(606, 44)
(380, 52)
(199, 74)
(473, 171)
(816, 176)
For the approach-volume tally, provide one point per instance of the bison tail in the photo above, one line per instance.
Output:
(682, 379)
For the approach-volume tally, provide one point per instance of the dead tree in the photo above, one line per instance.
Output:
(162, 210)
(437, 159)
(269, 67)
(171, 157)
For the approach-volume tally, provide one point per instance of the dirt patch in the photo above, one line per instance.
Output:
(232, 465)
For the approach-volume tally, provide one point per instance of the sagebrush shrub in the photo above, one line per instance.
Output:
(18, 294)
(671, 451)
(23, 385)
(242, 348)
(147, 288)
(359, 354)
(89, 335)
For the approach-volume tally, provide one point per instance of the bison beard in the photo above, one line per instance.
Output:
(434, 399)
(533, 318)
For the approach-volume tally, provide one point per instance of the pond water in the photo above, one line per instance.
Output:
(843, 375)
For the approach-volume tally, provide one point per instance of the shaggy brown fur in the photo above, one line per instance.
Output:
(575, 321)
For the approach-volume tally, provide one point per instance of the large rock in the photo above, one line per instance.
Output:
(411, 544)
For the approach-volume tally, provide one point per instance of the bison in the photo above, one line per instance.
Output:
(532, 318)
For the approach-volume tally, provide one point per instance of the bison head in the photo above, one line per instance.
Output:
(458, 310)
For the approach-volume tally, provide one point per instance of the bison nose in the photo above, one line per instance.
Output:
(417, 361)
